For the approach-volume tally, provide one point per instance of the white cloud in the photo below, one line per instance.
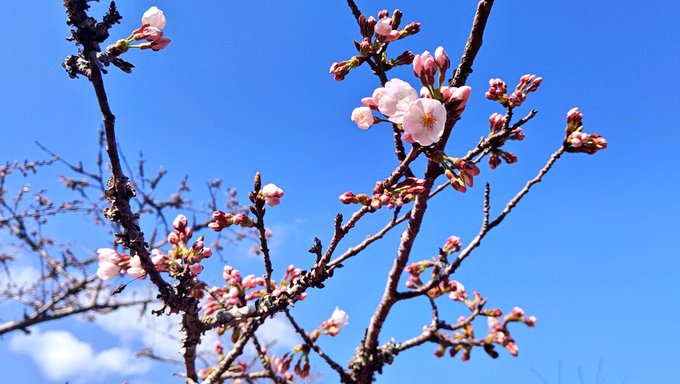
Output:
(161, 334)
(61, 356)
(278, 331)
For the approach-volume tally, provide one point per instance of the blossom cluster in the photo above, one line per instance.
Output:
(497, 124)
(151, 30)
(238, 291)
(422, 116)
(223, 220)
(498, 90)
(182, 261)
(460, 173)
(463, 338)
(579, 141)
(376, 34)
(112, 264)
(397, 195)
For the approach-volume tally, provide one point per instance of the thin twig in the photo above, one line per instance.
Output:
(344, 377)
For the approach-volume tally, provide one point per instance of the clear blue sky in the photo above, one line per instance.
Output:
(592, 251)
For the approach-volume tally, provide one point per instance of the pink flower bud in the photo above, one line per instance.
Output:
(148, 33)
(453, 244)
(135, 268)
(369, 102)
(196, 269)
(530, 321)
(154, 17)
(179, 223)
(496, 122)
(348, 198)
(173, 239)
(442, 59)
(418, 66)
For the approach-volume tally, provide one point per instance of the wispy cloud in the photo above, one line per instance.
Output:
(61, 356)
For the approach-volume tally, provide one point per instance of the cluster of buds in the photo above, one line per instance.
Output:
(237, 367)
(238, 290)
(452, 245)
(235, 292)
(499, 332)
(341, 69)
(223, 220)
(455, 289)
(497, 154)
(180, 261)
(431, 70)
(153, 22)
(579, 141)
(460, 173)
(497, 123)
(498, 90)
(376, 34)
(395, 196)
(112, 264)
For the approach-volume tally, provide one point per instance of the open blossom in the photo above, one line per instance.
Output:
(338, 319)
(272, 194)
(394, 99)
(384, 30)
(363, 117)
(108, 263)
(153, 22)
(425, 120)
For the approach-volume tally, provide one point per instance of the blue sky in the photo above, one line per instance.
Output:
(592, 251)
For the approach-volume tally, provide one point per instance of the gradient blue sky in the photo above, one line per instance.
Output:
(592, 251)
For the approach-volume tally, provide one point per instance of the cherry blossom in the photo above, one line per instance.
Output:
(272, 194)
(135, 268)
(363, 117)
(338, 319)
(108, 263)
(154, 17)
(394, 100)
(425, 120)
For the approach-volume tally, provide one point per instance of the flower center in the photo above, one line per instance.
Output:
(428, 120)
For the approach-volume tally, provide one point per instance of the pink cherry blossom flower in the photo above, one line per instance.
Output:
(108, 263)
(384, 30)
(425, 121)
(158, 259)
(396, 99)
(154, 17)
(272, 194)
(135, 268)
(338, 319)
(383, 27)
(107, 270)
(363, 117)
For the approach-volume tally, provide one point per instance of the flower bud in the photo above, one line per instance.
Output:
(442, 59)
